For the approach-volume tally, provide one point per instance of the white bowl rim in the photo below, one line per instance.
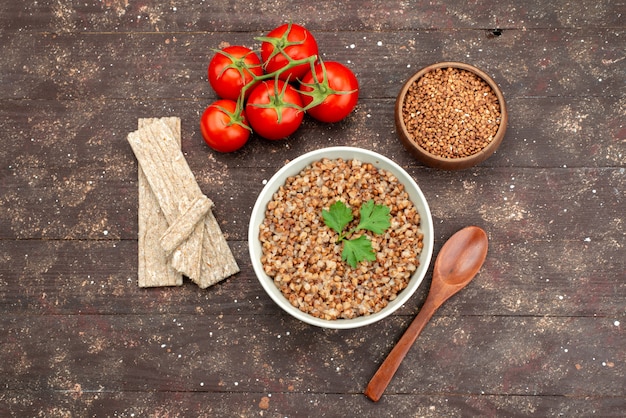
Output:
(294, 167)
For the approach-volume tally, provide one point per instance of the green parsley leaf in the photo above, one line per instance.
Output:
(338, 216)
(357, 250)
(374, 218)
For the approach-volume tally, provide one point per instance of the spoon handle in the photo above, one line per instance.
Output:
(388, 368)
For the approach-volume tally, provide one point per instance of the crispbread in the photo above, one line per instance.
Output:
(184, 225)
(217, 259)
(173, 185)
(154, 269)
(182, 230)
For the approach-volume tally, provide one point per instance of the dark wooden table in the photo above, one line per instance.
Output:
(541, 330)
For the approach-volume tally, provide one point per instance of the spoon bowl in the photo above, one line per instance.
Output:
(459, 260)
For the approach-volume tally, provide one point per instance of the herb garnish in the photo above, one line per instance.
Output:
(373, 218)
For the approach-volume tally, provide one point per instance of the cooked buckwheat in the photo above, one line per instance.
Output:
(303, 257)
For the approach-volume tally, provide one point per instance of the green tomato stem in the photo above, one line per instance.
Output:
(280, 44)
(235, 117)
(320, 90)
(277, 101)
(292, 63)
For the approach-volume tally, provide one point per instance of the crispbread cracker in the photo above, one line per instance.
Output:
(218, 261)
(182, 227)
(178, 232)
(173, 185)
(154, 269)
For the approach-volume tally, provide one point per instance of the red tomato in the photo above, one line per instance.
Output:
(231, 68)
(333, 94)
(274, 109)
(285, 42)
(222, 129)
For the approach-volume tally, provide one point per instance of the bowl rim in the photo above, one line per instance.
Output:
(295, 166)
(437, 161)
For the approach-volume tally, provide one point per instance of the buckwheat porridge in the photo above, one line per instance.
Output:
(302, 255)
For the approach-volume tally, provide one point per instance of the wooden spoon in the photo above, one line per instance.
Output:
(458, 262)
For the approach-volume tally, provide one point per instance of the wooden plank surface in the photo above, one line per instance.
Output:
(540, 332)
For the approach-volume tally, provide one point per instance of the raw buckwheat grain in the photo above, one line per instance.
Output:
(451, 113)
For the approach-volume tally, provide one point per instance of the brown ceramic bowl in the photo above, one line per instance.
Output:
(437, 161)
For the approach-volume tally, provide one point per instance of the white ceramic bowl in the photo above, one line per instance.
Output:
(346, 153)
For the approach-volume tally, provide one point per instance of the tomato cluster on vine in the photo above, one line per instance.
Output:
(271, 94)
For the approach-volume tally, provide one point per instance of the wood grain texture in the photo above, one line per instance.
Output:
(539, 331)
